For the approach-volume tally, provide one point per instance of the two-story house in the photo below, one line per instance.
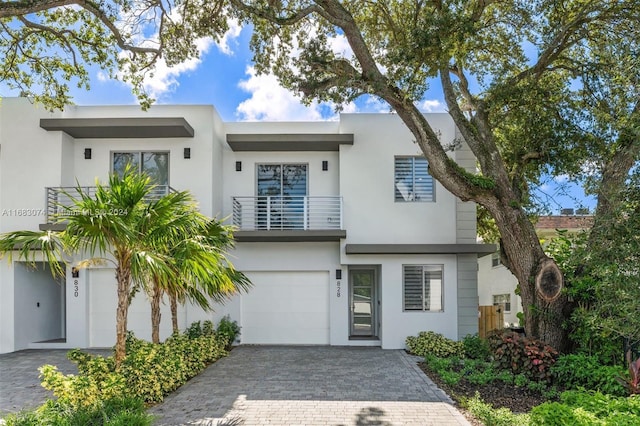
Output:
(346, 237)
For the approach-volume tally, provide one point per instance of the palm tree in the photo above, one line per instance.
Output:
(109, 226)
(196, 246)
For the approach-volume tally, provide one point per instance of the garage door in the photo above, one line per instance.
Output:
(286, 308)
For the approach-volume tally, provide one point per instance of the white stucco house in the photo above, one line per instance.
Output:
(345, 236)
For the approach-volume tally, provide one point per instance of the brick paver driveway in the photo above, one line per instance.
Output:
(307, 385)
(274, 385)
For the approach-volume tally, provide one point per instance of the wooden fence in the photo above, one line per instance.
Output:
(490, 318)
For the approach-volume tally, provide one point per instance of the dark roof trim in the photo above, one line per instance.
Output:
(289, 141)
(289, 236)
(132, 127)
(480, 249)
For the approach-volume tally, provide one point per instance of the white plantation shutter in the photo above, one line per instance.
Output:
(422, 288)
(412, 180)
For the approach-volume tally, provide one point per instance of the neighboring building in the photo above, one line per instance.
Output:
(497, 285)
(345, 236)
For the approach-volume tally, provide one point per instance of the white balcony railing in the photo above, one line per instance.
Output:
(60, 197)
(266, 213)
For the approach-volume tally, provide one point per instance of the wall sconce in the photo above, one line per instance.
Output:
(187, 153)
(87, 153)
(325, 165)
(75, 272)
(338, 274)
(238, 166)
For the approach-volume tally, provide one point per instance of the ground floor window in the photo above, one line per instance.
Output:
(422, 287)
(503, 300)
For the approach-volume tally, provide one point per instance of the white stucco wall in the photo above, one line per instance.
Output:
(367, 184)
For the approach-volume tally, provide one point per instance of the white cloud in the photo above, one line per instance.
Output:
(270, 101)
(431, 105)
(561, 178)
(232, 33)
(165, 78)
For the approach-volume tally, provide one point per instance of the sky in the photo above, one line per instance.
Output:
(224, 76)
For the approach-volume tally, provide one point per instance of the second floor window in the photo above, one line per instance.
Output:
(413, 183)
(154, 164)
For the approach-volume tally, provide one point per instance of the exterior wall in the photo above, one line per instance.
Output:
(367, 184)
(397, 324)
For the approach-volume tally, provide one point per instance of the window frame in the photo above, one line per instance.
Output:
(432, 199)
(440, 267)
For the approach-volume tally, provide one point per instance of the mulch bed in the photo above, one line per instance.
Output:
(498, 394)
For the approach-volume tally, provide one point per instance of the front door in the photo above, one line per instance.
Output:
(364, 301)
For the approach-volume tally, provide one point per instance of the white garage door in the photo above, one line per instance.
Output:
(286, 308)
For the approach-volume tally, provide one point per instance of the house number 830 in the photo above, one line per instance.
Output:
(75, 288)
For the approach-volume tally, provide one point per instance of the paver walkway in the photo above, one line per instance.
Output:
(274, 385)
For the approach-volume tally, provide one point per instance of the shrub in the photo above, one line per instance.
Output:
(112, 412)
(490, 416)
(520, 354)
(576, 371)
(476, 347)
(229, 329)
(428, 342)
(588, 408)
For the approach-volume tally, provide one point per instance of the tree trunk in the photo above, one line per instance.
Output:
(174, 313)
(523, 255)
(123, 277)
(156, 296)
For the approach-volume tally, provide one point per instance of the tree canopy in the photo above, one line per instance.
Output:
(534, 87)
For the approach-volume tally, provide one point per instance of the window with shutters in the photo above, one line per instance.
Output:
(422, 288)
(413, 183)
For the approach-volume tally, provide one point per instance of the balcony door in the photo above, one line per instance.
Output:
(281, 191)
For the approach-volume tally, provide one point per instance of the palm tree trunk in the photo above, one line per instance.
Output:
(123, 276)
(174, 313)
(155, 312)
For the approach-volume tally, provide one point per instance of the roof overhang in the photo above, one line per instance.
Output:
(479, 249)
(289, 236)
(289, 141)
(116, 128)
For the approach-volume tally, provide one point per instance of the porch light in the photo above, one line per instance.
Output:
(238, 166)
(87, 153)
(187, 153)
(325, 165)
(338, 274)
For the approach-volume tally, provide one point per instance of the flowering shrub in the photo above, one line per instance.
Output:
(530, 357)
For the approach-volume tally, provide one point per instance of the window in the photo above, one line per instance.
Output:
(412, 180)
(495, 259)
(422, 288)
(503, 300)
(154, 164)
(281, 191)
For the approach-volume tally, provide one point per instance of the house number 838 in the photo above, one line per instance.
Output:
(338, 289)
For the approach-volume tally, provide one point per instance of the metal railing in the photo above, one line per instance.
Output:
(60, 198)
(266, 213)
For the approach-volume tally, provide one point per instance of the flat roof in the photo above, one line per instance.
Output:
(115, 128)
(288, 141)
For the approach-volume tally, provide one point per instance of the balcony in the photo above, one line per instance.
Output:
(60, 198)
(288, 218)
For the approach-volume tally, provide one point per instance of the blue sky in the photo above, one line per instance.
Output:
(223, 76)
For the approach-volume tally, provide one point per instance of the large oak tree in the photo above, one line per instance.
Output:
(535, 87)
